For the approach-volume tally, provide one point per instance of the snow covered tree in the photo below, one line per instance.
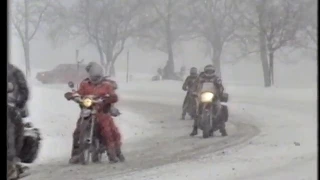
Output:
(107, 24)
(277, 24)
(215, 21)
(163, 26)
(26, 17)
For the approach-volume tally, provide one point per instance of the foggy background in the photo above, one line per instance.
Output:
(294, 67)
(272, 124)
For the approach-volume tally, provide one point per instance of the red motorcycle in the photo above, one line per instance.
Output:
(91, 147)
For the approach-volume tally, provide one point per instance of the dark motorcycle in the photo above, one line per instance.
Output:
(192, 106)
(31, 135)
(91, 147)
(213, 113)
(31, 143)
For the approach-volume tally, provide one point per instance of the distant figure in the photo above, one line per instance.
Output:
(158, 77)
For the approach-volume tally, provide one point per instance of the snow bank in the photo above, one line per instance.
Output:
(57, 118)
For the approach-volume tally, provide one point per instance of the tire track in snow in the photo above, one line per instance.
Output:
(171, 143)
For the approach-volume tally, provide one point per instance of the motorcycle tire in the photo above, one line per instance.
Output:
(206, 127)
(85, 156)
(96, 155)
(29, 150)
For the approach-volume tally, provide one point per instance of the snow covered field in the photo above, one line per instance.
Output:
(285, 148)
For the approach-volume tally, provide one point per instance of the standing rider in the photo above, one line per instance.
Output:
(97, 85)
(17, 97)
(208, 75)
(187, 86)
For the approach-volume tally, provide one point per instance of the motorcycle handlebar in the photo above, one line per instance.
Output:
(94, 101)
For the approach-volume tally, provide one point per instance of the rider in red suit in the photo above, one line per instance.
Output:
(97, 85)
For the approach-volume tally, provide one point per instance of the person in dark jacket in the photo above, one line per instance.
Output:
(208, 75)
(187, 86)
(17, 97)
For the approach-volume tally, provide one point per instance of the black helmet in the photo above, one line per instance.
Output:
(193, 71)
(209, 70)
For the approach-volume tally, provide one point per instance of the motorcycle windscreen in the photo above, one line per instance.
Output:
(208, 87)
(85, 113)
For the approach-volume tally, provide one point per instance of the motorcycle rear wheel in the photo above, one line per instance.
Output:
(29, 150)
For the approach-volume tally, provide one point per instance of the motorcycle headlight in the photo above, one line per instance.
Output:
(206, 97)
(87, 102)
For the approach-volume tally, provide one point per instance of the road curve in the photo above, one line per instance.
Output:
(170, 144)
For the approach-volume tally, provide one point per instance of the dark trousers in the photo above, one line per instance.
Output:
(15, 129)
(11, 152)
(185, 104)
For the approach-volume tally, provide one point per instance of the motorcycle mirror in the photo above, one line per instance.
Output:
(71, 84)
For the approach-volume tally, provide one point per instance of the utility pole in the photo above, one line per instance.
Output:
(77, 56)
(127, 78)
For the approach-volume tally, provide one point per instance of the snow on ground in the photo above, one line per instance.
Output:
(285, 149)
(56, 118)
(286, 118)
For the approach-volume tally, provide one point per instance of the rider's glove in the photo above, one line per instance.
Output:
(110, 98)
(68, 96)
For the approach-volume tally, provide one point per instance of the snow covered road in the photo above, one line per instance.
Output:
(267, 140)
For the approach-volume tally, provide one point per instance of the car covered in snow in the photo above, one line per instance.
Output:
(62, 74)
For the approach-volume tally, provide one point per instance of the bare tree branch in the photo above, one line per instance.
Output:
(39, 20)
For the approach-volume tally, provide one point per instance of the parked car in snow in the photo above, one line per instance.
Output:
(63, 73)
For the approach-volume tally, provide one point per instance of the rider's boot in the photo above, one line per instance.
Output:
(194, 131)
(195, 127)
(112, 156)
(23, 170)
(120, 155)
(223, 132)
(75, 157)
(12, 171)
(183, 116)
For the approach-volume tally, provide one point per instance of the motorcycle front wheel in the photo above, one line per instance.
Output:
(85, 156)
(96, 155)
(205, 123)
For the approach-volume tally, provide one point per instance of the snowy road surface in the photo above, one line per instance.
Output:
(267, 140)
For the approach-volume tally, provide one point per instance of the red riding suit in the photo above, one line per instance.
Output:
(109, 131)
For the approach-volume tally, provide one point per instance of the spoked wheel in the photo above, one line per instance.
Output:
(96, 154)
(86, 155)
